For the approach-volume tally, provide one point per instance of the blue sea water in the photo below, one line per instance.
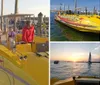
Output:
(64, 70)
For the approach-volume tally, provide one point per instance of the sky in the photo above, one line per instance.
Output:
(75, 51)
(55, 4)
(27, 6)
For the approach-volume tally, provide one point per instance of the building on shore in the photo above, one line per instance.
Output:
(39, 22)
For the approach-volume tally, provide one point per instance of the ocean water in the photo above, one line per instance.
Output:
(56, 33)
(60, 32)
(64, 70)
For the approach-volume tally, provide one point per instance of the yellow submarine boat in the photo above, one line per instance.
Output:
(27, 65)
(80, 80)
(83, 23)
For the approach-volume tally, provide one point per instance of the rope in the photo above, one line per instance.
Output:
(15, 76)
(7, 76)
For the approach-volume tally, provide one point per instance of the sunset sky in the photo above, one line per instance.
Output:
(75, 51)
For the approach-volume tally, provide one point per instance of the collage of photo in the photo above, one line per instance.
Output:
(50, 42)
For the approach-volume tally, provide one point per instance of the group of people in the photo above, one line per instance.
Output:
(27, 33)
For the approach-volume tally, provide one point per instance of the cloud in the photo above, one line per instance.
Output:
(98, 47)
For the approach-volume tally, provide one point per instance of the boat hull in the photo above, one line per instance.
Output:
(82, 80)
(78, 26)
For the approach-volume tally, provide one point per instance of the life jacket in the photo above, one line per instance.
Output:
(28, 34)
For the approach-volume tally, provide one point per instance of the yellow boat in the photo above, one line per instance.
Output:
(26, 65)
(80, 80)
(83, 23)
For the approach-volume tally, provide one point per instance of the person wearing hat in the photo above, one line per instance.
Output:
(28, 33)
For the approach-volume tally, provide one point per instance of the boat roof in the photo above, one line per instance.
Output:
(13, 15)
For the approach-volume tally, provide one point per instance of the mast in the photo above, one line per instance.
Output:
(16, 11)
(94, 10)
(68, 9)
(64, 7)
(86, 10)
(1, 14)
(60, 7)
(75, 4)
(16, 6)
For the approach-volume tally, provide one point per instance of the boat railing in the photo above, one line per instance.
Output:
(74, 23)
